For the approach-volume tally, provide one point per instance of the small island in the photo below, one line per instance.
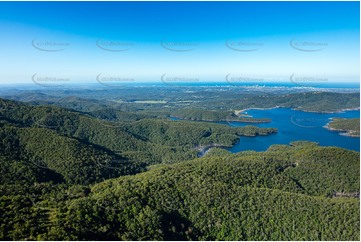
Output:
(347, 126)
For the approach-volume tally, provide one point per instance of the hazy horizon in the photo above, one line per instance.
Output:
(141, 41)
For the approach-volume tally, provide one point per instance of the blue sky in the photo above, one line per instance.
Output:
(205, 41)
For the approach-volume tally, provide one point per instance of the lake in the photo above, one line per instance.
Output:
(295, 125)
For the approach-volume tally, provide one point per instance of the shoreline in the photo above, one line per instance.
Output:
(219, 121)
(204, 149)
(239, 112)
(330, 112)
(245, 109)
(254, 120)
(348, 133)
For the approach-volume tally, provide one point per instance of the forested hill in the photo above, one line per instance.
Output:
(297, 192)
(51, 131)
(67, 175)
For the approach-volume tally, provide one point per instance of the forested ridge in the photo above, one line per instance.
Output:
(147, 140)
(205, 115)
(67, 175)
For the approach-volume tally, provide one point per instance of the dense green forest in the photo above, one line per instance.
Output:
(205, 115)
(216, 116)
(185, 120)
(296, 192)
(114, 174)
(254, 120)
(350, 126)
(143, 141)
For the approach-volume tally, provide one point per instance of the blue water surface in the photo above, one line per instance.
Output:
(295, 125)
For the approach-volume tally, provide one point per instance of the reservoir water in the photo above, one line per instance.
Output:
(295, 125)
